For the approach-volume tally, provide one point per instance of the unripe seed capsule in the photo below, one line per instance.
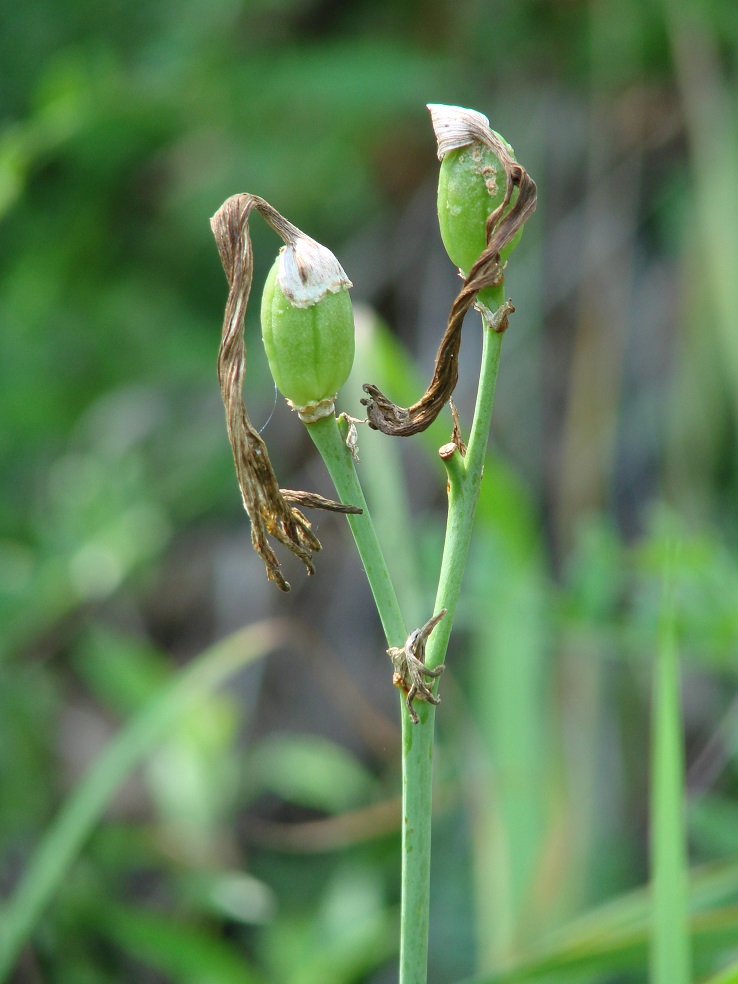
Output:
(307, 326)
(471, 184)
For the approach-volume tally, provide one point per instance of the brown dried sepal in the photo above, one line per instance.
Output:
(267, 505)
(457, 437)
(502, 225)
(410, 671)
(311, 500)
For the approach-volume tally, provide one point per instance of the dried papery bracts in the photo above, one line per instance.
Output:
(310, 276)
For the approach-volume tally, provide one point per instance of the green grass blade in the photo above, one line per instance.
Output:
(86, 805)
(616, 935)
(510, 808)
(728, 975)
(185, 953)
(670, 952)
(600, 957)
(711, 885)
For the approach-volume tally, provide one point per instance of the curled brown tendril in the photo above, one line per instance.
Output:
(502, 226)
(267, 505)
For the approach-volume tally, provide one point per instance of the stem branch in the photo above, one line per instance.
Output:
(464, 481)
(337, 457)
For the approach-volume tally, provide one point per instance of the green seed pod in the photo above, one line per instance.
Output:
(472, 182)
(308, 327)
(471, 185)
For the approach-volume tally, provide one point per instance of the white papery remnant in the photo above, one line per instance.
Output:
(309, 271)
(456, 127)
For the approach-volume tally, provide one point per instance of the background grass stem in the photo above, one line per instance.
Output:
(670, 957)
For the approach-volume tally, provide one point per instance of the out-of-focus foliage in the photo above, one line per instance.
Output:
(259, 840)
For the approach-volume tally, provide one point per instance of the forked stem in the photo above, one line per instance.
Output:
(464, 481)
(337, 457)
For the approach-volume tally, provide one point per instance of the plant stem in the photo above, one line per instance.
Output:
(332, 447)
(464, 481)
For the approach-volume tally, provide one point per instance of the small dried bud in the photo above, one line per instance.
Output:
(307, 325)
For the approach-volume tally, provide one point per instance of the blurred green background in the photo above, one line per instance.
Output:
(251, 832)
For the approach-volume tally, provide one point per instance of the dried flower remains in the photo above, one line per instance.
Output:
(455, 128)
(410, 669)
(269, 508)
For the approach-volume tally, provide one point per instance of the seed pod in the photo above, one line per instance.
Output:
(308, 327)
(472, 182)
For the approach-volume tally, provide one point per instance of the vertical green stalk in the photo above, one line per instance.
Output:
(464, 480)
(670, 957)
(327, 438)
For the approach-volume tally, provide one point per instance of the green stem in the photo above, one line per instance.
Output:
(464, 481)
(332, 447)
